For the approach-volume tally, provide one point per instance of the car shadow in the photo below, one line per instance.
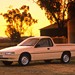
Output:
(39, 63)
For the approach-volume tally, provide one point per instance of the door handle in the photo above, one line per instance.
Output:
(48, 48)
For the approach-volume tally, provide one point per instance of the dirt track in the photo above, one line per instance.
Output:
(39, 68)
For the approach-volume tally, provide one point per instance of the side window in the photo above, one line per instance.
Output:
(43, 43)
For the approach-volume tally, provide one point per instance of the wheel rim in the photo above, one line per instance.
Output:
(66, 58)
(24, 60)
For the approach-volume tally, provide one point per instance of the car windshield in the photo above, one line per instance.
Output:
(29, 42)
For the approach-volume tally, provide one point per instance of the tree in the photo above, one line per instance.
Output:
(55, 11)
(16, 19)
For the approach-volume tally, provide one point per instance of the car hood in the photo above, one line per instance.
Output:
(14, 48)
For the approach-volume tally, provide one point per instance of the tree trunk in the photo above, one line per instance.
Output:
(71, 31)
(71, 22)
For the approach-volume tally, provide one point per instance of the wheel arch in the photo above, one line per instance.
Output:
(27, 54)
(68, 52)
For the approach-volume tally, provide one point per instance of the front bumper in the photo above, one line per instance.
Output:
(9, 57)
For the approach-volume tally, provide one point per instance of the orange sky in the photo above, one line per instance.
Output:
(35, 11)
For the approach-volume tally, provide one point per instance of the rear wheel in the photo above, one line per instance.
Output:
(24, 60)
(7, 63)
(65, 58)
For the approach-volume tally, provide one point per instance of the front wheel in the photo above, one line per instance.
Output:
(24, 60)
(7, 63)
(65, 58)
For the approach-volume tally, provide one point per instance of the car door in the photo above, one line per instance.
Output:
(42, 49)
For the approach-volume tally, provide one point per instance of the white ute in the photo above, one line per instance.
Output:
(37, 48)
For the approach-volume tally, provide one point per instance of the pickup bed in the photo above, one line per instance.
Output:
(37, 48)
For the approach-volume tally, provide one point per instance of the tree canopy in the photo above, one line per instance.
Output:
(16, 19)
(55, 11)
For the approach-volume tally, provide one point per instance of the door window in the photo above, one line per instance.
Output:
(44, 43)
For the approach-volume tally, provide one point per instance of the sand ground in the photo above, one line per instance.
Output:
(39, 68)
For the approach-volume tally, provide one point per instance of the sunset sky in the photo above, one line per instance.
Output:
(35, 11)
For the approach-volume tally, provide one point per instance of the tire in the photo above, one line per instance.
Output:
(65, 58)
(47, 61)
(7, 63)
(24, 60)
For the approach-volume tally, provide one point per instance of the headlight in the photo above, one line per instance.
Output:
(9, 53)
